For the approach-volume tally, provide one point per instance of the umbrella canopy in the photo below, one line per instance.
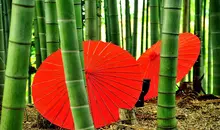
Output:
(113, 81)
(188, 52)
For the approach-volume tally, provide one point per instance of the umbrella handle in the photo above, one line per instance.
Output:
(145, 89)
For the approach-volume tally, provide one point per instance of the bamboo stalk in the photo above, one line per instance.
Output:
(114, 25)
(128, 26)
(121, 19)
(142, 28)
(6, 26)
(41, 27)
(99, 18)
(79, 26)
(91, 20)
(210, 55)
(154, 21)
(135, 29)
(8, 4)
(214, 38)
(2, 55)
(166, 114)
(17, 70)
(204, 42)
(37, 42)
(147, 20)
(107, 21)
(161, 15)
(72, 66)
(52, 31)
(198, 68)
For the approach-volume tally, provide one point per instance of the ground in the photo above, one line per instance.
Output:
(193, 113)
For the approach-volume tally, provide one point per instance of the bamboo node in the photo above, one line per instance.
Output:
(78, 107)
(74, 81)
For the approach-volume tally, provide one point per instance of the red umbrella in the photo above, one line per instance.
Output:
(113, 80)
(188, 52)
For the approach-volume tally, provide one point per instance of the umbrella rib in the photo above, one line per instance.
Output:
(46, 112)
(50, 93)
(105, 93)
(188, 54)
(117, 77)
(49, 70)
(114, 62)
(182, 59)
(123, 72)
(183, 65)
(108, 59)
(103, 101)
(47, 81)
(97, 104)
(52, 85)
(100, 59)
(66, 101)
(111, 91)
(52, 63)
(119, 83)
(66, 115)
(104, 49)
(118, 67)
(93, 54)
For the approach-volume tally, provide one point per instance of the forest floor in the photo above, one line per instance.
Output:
(193, 113)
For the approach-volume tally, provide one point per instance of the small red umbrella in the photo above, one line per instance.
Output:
(113, 80)
(188, 52)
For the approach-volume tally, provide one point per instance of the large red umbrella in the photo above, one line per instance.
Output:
(113, 80)
(188, 52)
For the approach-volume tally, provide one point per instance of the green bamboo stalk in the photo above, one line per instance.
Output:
(17, 70)
(128, 26)
(210, 55)
(8, 4)
(135, 29)
(142, 27)
(72, 67)
(79, 26)
(114, 25)
(41, 27)
(37, 42)
(79, 22)
(52, 31)
(154, 21)
(205, 86)
(189, 8)
(161, 15)
(147, 20)
(166, 112)
(29, 81)
(2, 55)
(198, 68)
(186, 16)
(107, 21)
(6, 26)
(99, 16)
(215, 37)
(121, 17)
(91, 20)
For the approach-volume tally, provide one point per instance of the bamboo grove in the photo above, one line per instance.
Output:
(37, 28)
